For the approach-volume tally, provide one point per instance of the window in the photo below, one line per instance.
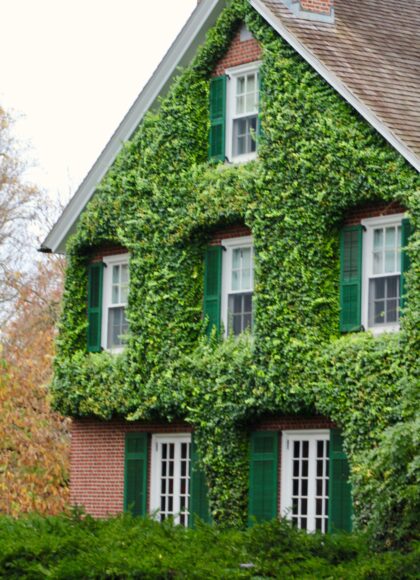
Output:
(373, 264)
(242, 113)
(237, 285)
(305, 479)
(170, 489)
(115, 297)
(382, 273)
(234, 108)
(108, 283)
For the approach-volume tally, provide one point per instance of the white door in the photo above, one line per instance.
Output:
(305, 475)
(170, 484)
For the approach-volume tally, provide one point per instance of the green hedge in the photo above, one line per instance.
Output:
(161, 199)
(81, 547)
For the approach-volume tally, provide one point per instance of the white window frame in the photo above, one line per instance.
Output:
(109, 261)
(369, 225)
(286, 489)
(229, 245)
(155, 481)
(232, 74)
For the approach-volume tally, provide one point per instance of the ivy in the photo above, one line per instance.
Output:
(161, 199)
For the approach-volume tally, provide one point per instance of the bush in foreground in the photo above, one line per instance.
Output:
(123, 547)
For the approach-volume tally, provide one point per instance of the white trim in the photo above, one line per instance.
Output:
(155, 471)
(337, 84)
(286, 468)
(369, 224)
(109, 261)
(232, 73)
(230, 244)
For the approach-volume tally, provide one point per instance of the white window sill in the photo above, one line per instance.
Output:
(243, 158)
(377, 330)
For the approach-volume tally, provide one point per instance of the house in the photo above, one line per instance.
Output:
(240, 308)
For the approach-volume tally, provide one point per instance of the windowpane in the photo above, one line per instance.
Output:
(115, 274)
(384, 300)
(117, 326)
(124, 273)
(378, 239)
(240, 108)
(390, 261)
(115, 295)
(390, 237)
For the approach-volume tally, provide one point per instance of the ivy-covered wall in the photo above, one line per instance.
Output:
(161, 199)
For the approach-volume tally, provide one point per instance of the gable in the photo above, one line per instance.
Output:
(303, 37)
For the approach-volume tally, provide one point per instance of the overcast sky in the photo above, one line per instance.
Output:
(72, 68)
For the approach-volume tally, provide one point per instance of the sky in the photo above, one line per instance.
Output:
(70, 71)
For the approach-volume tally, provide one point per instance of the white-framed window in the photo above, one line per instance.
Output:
(305, 478)
(243, 90)
(381, 273)
(237, 285)
(115, 298)
(170, 483)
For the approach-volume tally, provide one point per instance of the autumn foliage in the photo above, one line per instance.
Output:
(33, 439)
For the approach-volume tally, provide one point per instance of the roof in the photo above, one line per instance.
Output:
(370, 55)
(373, 48)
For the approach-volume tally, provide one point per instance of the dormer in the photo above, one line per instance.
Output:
(318, 10)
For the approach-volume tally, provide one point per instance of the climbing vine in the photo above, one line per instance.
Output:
(161, 199)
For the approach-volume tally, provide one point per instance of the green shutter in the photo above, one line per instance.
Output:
(217, 118)
(351, 245)
(405, 260)
(212, 286)
(94, 313)
(135, 488)
(199, 504)
(263, 476)
(340, 504)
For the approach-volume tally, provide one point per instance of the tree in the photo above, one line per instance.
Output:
(33, 439)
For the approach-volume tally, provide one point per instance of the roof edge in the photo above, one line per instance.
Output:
(339, 86)
(179, 54)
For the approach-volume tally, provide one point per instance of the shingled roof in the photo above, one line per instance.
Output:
(373, 47)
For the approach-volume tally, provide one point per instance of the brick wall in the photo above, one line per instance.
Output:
(97, 461)
(239, 52)
(98, 254)
(373, 209)
(236, 231)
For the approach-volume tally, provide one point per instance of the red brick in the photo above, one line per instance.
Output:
(239, 52)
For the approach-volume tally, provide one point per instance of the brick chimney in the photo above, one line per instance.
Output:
(319, 10)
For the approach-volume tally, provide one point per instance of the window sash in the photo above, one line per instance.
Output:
(116, 282)
(376, 243)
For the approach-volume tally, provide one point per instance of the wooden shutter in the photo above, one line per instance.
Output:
(340, 504)
(213, 286)
(263, 476)
(351, 246)
(217, 118)
(199, 504)
(405, 260)
(95, 278)
(135, 489)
